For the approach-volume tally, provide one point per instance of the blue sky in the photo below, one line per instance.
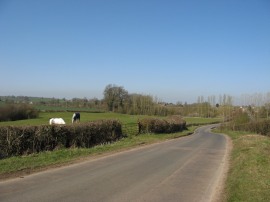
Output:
(176, 50)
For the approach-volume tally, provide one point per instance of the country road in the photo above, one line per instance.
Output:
(183, 169)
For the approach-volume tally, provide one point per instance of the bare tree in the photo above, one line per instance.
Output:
(115, 97)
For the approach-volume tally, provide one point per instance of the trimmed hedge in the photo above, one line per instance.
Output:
(15, 140)
(169, 125)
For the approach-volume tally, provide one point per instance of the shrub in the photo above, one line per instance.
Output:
(30, 139)
(13, 112)
(169, 125)
(259, 127)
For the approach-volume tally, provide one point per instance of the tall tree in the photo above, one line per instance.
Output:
(116, 97)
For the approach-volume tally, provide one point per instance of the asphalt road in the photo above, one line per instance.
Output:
(183, 169)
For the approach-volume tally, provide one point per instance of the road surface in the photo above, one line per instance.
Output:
(183, 169)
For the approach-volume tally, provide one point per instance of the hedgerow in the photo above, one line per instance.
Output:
(259, 127)
(22, 140)
(169, 125)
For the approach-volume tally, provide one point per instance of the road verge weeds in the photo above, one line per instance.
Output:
(249, 174)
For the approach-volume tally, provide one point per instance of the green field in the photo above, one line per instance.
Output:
(63, 109)
(86, 116)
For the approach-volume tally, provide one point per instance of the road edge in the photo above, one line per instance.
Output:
(219, 192)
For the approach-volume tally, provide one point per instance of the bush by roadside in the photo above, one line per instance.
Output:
(21, 140)
(258, 127)
(169, 125)
(23, 165)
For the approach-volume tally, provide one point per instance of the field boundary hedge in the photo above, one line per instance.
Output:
(169, 125)
(22, 140)
(259, 127)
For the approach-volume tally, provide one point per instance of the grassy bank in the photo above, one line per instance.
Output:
(249, 173)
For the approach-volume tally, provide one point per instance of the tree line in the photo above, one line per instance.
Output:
(118, 99)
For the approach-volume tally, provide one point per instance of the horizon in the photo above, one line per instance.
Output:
(174, 50)
(256, 99)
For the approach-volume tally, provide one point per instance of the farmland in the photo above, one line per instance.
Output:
(85, 116)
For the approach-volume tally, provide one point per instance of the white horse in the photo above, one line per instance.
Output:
(57, 121)
(76, 117)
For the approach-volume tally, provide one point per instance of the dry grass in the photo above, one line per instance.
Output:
(249, 173)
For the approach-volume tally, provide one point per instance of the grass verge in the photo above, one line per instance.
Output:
(18, 166)
(249, 173)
